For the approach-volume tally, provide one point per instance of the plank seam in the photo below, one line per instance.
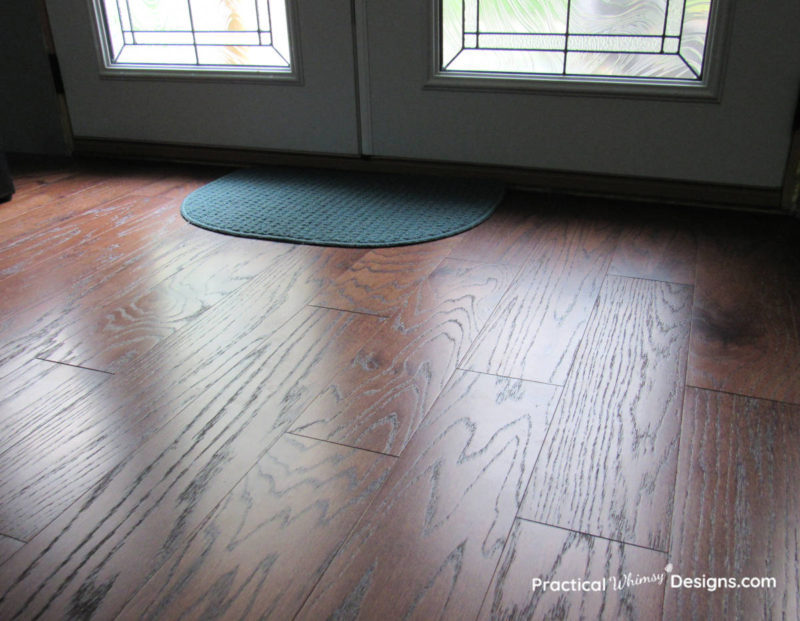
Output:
(74, 366)
(351, 446)
(580, 532)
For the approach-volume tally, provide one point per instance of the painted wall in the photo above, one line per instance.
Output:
(29, 110)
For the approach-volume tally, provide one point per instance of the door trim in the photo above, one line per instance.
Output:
(181, 73)
(709, 89)
(361, 62)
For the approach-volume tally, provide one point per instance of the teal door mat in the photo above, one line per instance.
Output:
(340, 208)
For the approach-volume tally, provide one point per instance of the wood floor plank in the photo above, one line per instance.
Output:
(121, 485)
(37, 217)
(69, 305)
(40, 328)
(112, 334)
(90, 186)
(507, 236)
(91, 244)
(102, 550)
(86, 214)
(383, 279)
(428, 545)
(608, 466)
(658, 246)
(22, 203)
(536, 329)
(746, 326)
(737, 507)
(379, 401)
(7, 547)
(115, 315)
(80, 444)
(270, 540)
(612, 580)
(34, 176)
(179, 181)
(90, 217)
(33, 389)
(68, 255)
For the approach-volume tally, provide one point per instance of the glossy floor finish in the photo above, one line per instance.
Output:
(599, 395)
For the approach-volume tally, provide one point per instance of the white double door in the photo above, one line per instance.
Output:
(365, 88)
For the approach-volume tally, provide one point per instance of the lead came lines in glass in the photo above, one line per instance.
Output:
(251, 35)
(635, 39)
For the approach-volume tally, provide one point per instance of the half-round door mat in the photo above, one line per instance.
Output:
(336, 208)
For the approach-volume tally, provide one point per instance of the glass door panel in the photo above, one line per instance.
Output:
(614, 38)
(250, 35)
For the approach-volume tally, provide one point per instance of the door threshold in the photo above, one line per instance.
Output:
(748, 198)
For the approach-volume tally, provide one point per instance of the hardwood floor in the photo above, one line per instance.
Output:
(380, 400)
(547, 553)
(578, 392)
(746, 336)
(737, 504)
(621, 408)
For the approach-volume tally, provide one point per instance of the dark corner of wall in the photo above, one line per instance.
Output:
(32, 114)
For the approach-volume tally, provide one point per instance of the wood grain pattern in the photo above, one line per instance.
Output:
(34, 387)
(40, 328)
(88, 218)
(129, 323)
(116, 490)
(383, 279)
(69, 200)
(270, 540)
(608, 466)
(79, 256)
(67, 254)
(378, 402)
(78, 445)
(508, 235)
(429, 543)
(34, 176)
(73, 223)
(628, 580)
(746, 330)
(7, 547)
(537, 328)
(228, 412)
(22, 203)
(661, 246)
(132, 271)
(736, 507)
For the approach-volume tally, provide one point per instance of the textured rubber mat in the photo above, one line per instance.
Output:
(336, 208)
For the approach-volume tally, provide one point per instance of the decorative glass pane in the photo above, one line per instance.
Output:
(650, 39)
(250, 35)
(521, 17)
(620, 17)
(627, 65)
(508, 61)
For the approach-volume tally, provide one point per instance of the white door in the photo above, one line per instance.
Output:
(264, 74)
(681, 89)
(556, 97)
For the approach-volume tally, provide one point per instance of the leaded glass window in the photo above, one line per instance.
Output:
(250, 35)
(605, 38)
